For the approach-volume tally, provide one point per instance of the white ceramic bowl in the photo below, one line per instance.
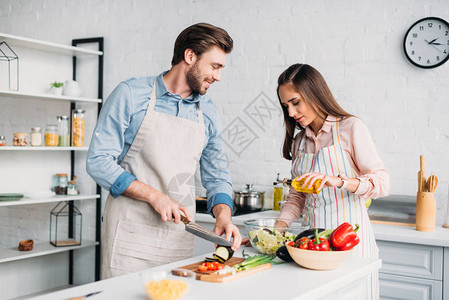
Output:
(318, 260)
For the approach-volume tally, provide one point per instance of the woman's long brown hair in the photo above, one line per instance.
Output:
(308, 82)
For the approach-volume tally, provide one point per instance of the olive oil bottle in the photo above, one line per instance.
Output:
(297, 185)
(278, 194)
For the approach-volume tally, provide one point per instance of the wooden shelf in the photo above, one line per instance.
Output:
(40, 249)
(42, 148)
(18, 41)
(27, 95)
(58, 198)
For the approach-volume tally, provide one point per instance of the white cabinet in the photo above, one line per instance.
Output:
(45, 267)
(412, 271)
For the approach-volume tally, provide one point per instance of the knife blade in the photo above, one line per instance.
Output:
(85, 296)
(204, 233)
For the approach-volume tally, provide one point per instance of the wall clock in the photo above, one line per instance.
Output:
(426, 43)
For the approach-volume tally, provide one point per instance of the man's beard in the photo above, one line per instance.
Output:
(195, 79)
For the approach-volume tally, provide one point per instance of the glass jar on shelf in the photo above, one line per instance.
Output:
(2, 140)
(20, 139)
(63, 131)
(78, 128)
(51, 135)
(72, 188)
(36, 136)
(60, 184)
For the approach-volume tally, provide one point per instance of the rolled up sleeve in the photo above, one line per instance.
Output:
(108, 142)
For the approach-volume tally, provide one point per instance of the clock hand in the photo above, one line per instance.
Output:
(436, 44)
(431, 42)
(433, 45)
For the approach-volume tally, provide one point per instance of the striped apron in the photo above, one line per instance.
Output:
(334, 206)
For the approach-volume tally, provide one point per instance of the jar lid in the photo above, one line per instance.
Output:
(50, 126)
(79, 111)
(35, 129)
(62, 117)
(2, 137)
(72, 182)
(61, 174)
(20, 134)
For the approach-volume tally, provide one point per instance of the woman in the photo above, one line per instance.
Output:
(336, 147)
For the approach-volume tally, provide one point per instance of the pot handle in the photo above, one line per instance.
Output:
(249, 186)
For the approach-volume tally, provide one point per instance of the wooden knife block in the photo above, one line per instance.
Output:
(426, 209)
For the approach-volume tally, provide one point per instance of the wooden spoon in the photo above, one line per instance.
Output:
(432, 183)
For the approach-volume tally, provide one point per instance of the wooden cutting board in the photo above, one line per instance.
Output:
(211, 277)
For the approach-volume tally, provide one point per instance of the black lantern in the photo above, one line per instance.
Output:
(65, 225)
(7, 54)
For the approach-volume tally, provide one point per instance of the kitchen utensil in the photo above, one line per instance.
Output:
(422, 169)
(249, 199)
(204, 233)
(210, 276)
(85, 296)
(318, 260)
(425, 211)
(432, 183)
(261, 232)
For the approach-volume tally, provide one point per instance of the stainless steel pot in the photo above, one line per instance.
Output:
(248, 199)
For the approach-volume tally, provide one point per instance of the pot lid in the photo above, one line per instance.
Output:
(249, 191)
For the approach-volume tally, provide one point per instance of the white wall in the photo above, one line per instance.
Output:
(356, 45)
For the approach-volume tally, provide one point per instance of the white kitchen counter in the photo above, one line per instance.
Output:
(392, 233)
(284, 281)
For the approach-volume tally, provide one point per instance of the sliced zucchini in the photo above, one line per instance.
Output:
(223, 252)
(210, 259)
(219, 258)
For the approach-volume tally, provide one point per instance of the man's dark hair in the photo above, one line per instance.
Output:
(200, 38)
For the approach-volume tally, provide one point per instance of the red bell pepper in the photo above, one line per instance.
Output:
(350, 244)
(344, 236)
(319, 244)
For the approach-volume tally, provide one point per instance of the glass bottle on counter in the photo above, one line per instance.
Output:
(36, 136)
(51, 135)
(278, 192)
(20, 139)
(2, 140)
(63, 131)
(78, 128)
(60, 184)
(297, 185)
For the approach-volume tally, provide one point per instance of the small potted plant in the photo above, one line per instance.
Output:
(56, 88)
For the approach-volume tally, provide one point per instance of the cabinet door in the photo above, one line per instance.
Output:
(407, 288)
(411, 260)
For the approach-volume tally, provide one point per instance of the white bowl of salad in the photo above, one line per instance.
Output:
(268, 234)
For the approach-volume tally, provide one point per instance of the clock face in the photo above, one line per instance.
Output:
(426, 43)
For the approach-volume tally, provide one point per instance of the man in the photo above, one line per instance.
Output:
(151, 135)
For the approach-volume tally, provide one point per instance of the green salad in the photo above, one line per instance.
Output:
(268, 241)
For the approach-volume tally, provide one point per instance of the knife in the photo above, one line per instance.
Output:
(85, 296)
(204, 233)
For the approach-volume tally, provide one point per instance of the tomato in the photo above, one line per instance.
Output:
(291, 244)
(202, 268)
(210, 266)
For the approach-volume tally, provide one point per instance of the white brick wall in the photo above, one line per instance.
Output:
(356, 45)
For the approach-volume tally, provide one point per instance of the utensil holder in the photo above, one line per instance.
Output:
(426, 208)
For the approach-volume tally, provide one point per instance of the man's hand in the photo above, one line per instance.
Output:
(162, 204)
(223, 224)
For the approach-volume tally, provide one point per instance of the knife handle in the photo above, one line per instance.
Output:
(184, 220)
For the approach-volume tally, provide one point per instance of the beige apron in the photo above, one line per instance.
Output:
(164, 154)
